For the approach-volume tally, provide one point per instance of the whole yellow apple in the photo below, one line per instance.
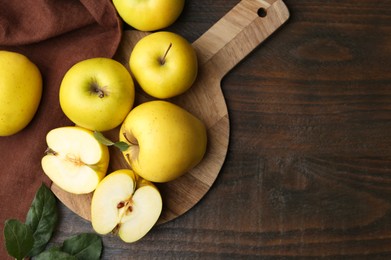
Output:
(20, 92)
(165, 141)
(97, 93)
(164, 64)
(149, 15)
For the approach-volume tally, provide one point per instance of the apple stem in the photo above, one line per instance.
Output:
(97, 89)
(101, 94)
(103, 140)
(163, 59)
(129, 159)
(50, 151)
(116, 229)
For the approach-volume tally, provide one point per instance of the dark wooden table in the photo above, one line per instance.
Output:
(308, 170)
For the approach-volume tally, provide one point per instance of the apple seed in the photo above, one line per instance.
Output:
(125, 207)
(120, 205)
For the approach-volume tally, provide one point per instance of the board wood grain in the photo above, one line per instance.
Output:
(219, 49)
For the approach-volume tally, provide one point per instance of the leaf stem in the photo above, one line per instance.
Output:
(122, 146)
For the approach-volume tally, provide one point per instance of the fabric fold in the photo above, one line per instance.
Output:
(54, 35)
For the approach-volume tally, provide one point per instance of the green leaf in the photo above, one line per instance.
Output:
(105, 141)
(54, 253)
(122, 146)
(84, 246)
(102, 139)
(19, 238)
(42, 218)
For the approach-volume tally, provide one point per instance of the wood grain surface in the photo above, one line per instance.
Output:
(308, 168)
(219, 49)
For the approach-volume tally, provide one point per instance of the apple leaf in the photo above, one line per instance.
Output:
(84, 246)
(19, 238)
(55, 253)
(42, 218)
(122, 146)
(105, 141)
(102, 139)
(31, 238)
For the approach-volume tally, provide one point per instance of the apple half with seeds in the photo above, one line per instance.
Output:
(125, 204)
(75, 160)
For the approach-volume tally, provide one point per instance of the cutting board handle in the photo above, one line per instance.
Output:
(239, 32)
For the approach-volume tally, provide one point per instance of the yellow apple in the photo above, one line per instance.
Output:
(75, 161)
(126, 204)
(97, 93)
(20, 92)
(164, 64)
(149, 15)
(165, 141)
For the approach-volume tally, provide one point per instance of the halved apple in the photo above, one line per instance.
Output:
(75, 160)
(127, 204)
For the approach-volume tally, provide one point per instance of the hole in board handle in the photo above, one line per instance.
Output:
(262, 12)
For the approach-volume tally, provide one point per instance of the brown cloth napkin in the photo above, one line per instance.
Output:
(54, 34)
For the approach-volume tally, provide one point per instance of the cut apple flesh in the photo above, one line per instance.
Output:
(75, 160)
(69, 176)
(106, 206)
(146, 209)
(121, 205)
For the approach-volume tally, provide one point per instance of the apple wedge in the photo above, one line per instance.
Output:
(126, 204)
(75, 161)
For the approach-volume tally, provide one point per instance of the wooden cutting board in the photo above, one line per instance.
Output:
(219, 49)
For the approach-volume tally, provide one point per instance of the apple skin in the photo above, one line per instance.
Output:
(75, 161)
(149, 15)
(97, 93)
(126, 204)
(165, 140)
(20, 92)
(164, 64)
